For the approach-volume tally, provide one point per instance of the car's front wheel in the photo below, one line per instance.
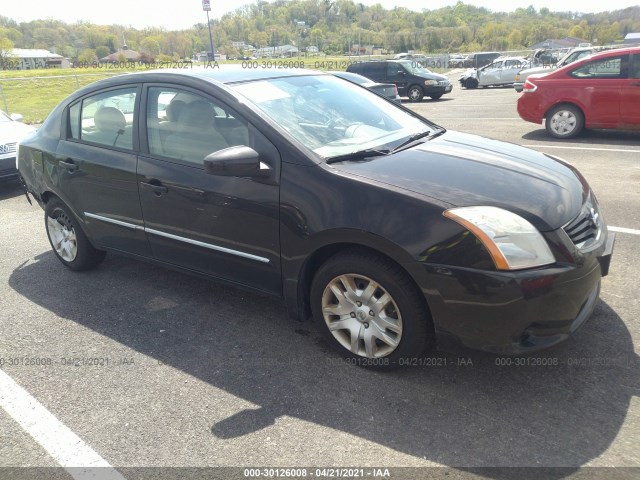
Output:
(69, 243)
(370, 310)
(415, 93)
(564, 121)
(471, 83)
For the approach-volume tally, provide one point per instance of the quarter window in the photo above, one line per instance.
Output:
(186, 126)
(106, 119)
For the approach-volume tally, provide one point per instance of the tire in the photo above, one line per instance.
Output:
(385, 322)
(436, 96)
(471, 83)
(415, 93)
(67, 239)
(564, 121)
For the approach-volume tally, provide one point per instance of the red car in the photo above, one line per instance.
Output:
(599, 91)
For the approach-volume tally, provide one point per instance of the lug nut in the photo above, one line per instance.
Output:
(353, 314)
(366, 325)
(359, 304)
(371, 312)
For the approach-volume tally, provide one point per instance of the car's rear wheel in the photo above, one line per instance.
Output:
(471, 83)
(370, 310)
(564, 121)
(415, 93)
(68, 241)
(436, 96)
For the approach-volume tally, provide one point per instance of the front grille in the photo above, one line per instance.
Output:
(8, 148)
(444, 83)
(585, 229)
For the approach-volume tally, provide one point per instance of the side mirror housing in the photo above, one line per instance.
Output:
(238, 161)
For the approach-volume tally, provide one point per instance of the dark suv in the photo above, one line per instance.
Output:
(411, 78)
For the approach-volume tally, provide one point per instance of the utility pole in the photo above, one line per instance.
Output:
(206, 6)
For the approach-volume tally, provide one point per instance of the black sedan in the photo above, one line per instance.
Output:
(390, 231)
(388, 90)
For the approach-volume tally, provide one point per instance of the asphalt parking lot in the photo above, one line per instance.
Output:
(131, 365)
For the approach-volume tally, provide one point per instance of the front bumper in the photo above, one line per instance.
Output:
(8, 168)
(516, 312)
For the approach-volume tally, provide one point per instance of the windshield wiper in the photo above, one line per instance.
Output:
(359, 155)
(418, 136)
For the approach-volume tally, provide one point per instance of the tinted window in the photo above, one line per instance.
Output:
(610, 67)
(635, 66)
(186, 126)
(107, 118)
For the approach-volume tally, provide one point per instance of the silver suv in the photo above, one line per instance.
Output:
(570, 57)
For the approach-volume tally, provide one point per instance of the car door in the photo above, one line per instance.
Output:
(629, 110)
(491, 74)
(509, 70)
(602, 83)
(95, 167)
(227, 227)
(396, 73)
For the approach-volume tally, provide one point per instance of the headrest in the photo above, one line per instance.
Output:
(109, 118)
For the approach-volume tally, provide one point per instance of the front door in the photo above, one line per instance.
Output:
(227, 227)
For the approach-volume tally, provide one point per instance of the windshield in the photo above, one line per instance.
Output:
(416, 68)
(332, 117)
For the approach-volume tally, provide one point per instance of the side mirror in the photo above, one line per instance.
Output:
(16, 117)
(238, 161)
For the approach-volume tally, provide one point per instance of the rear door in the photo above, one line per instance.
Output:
(227, 227)
(396, 73)
(95, 166)
(630, 103)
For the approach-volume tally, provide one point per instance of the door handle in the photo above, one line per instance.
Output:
(69, 165)
(156, 186)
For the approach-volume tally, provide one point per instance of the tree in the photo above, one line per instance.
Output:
(6, 57)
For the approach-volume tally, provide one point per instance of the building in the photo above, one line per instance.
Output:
(122, 55)
(556, 44)
(29, 59)
(632, 39)
(282, 51)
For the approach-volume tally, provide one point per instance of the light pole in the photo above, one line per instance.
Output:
(206, 6)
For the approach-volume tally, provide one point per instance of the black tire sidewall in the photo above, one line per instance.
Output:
(415, 87)
(87, 256)
(416, 321)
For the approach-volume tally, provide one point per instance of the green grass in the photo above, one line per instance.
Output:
(34, 93)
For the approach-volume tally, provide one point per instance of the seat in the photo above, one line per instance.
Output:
(195, 137)
(110, 128)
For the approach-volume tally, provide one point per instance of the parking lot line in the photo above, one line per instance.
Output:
(75, 456)
(624, 230)
(562, 147)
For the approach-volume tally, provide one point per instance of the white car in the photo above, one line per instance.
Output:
(500, 72)
(12, 131)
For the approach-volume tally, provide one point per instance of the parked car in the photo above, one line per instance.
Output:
(390, 230)
(500, 73)
(411, 78)
(572, 56)
(388, 90)
(599, 91)
(12, 130)
(456, 60)
(480, 59)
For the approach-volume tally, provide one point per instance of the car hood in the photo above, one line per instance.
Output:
(538, 70)
(470, 73)
(466, 170)
(14, 131)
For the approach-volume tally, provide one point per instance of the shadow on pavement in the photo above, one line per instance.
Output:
(465, 409)
(589, 138)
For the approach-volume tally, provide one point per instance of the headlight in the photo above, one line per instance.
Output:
(512, 241)
(431, 82)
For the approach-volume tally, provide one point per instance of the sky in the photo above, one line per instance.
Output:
(178, 15)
